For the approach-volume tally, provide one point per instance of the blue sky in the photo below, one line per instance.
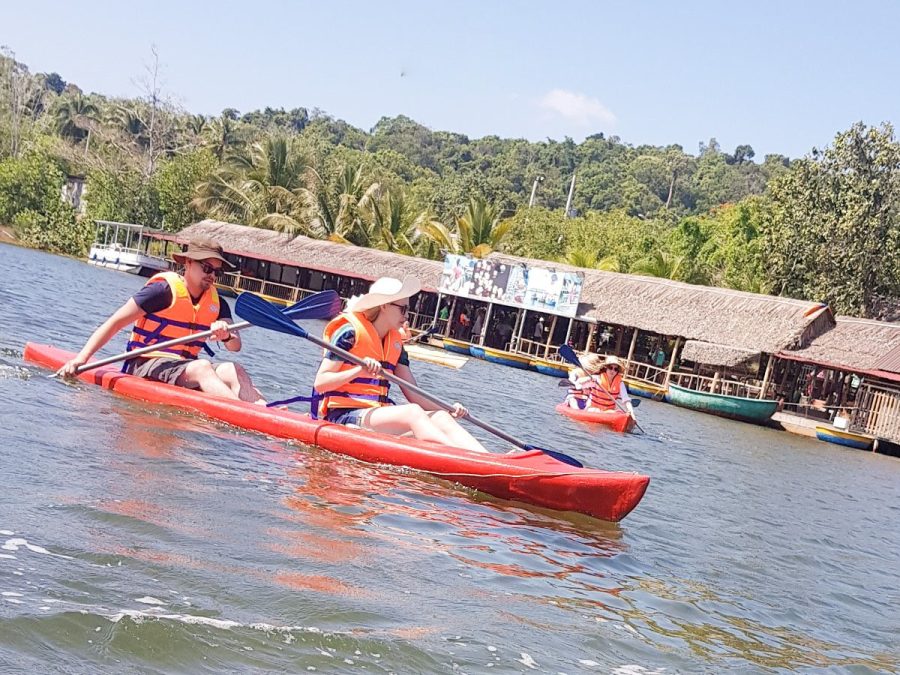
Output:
(781, 76)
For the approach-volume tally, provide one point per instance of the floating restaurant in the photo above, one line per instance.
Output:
(752, 357)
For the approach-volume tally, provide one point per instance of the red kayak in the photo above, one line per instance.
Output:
(528, 476)
(615, 419)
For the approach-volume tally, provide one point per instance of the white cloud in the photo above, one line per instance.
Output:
(584, 111)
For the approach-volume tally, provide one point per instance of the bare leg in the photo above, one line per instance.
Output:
(235, 376)
(459, 437)
(399, 419)
(200, 373)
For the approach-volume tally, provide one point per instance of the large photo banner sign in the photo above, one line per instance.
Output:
(537, 288)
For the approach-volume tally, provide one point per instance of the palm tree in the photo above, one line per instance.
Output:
(393, 226)
(480, 230)
(73, 117)
(588, 259)
(341, 208)
(659, 264)
(264, 187)
(222, 136)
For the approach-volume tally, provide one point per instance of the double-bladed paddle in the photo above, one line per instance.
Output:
(259, 312)
(569, 355)
(323, 305)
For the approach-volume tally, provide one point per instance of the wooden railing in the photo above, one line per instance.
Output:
(238, 282)
(716, 385)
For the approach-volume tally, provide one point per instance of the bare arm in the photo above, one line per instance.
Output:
(126, 314)
(330, 376)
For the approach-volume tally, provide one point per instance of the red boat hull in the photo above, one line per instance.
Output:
(529, 476)
(614, 419)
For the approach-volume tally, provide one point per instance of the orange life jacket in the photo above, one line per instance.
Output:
(580, 391)
(363, 391)
(182, 317)
(605, 400)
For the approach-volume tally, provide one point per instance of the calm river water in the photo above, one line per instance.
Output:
(143, 539)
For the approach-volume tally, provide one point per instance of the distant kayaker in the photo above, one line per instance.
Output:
(355, 395)
(598, 385)
(171, 306)
(608, 390)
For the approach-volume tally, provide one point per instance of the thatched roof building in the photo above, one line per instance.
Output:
(722, 326)
(316, 254)
(859, 345)
(735, 326)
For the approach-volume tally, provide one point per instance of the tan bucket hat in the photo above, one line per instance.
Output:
(202, 249)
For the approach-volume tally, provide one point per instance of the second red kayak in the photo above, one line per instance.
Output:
(528, 476)
(614, 419)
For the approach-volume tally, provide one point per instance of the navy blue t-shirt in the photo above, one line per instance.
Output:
(157, 296)
(345, 338)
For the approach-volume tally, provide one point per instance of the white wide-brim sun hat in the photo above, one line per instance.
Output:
(382, 291)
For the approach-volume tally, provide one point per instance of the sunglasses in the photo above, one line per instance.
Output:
(403, 308)
(207, 268)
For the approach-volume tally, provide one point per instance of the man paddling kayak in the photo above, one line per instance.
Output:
(171, 306)
(370, 329)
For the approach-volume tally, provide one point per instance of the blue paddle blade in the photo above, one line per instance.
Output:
(323, 305)
(569, 355)
(559, 456)
(262, 313)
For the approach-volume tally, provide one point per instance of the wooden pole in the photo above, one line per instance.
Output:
(631, 347)
(765, 382)
(672, 361)
(568, 331)
(590, 338)
(437, 308)
(521, 325)
(484, 324)
(550, 336)
(450, 316)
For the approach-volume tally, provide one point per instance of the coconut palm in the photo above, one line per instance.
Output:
(659, 264)
(393, 226)
(221, 136)
(589, 259)
(480, 230)
(341, 207)
(73, 117)
(263, 187)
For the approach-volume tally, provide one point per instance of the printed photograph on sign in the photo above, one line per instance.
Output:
(457, 275)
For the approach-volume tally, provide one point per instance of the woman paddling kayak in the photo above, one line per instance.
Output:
(370, 329)
(598, 385)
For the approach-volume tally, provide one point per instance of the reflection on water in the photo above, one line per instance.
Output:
(159, 541)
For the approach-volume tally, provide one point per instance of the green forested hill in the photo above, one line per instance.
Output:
(823, 227)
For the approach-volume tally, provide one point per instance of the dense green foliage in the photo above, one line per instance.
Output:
(822, 228)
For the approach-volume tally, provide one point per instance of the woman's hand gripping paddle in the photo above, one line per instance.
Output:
(323, 305)
(259, 312)
(569, 355)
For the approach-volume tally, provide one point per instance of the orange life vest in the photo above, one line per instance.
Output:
(363, 391)
(182, 317)
(605, 400)
(580, 391)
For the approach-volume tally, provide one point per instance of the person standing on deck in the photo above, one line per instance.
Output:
(171, 306)
(356, 395)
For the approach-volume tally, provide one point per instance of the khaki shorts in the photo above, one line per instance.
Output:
(159, 369)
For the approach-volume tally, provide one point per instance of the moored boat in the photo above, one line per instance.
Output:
(614, 419)
(645, 389)
(551, 368)
(455, 346)
(528, 476)
(848, 439)
(753, 410)
(507, 359)
(436, 356)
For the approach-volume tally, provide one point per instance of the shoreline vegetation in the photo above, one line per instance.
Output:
(822, 228)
